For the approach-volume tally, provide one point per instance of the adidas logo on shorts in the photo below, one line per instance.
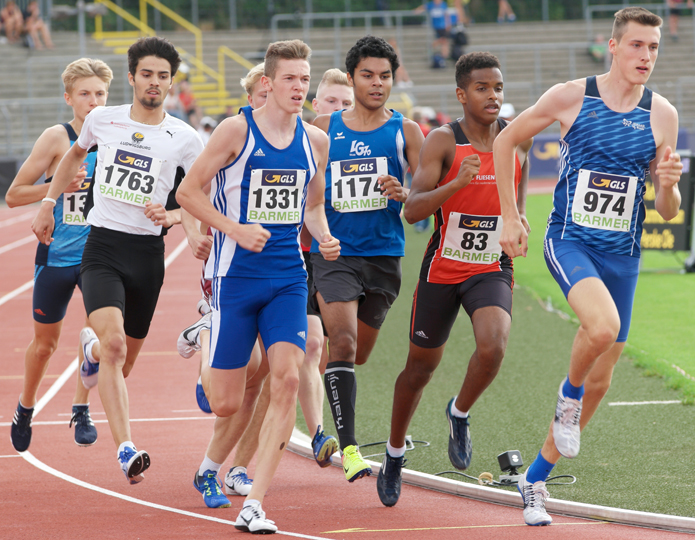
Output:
(302, 334)
(421, 334)
(259, 153)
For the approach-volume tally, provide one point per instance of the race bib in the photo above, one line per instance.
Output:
(354, 186)
(73, 205)
(604, 201)
(275, 196)
(129, 177)
(473, 239)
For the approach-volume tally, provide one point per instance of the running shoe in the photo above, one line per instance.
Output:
(202, 399)
(388, 483)
(203, 307)
(209, 486)
(324, 447)
(189, 340)
(237, 483)
(89, 370)
(134, 463)
(534, 497)
(566, 424)
(252, 519)
(354, 465)
(20, 432)
(85, 431)
(460, 449)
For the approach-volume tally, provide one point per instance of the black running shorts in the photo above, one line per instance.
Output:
(125, 271)
(436, 305)
(374, 281)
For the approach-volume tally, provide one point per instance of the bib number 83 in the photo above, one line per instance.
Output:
(468, 241)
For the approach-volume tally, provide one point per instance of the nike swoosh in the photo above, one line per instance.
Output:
(192, 329)
(346, 470)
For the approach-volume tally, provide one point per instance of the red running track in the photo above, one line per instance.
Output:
(61, 491)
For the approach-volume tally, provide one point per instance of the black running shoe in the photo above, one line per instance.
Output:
(460, 448)
(85, 430)
(388, 483)
(21, 428)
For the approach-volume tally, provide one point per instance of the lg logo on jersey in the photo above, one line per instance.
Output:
(358, 148)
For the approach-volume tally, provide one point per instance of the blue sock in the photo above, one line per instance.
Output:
(572, 392)
(539, 470)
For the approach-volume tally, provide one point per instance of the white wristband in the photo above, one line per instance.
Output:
(48, 199)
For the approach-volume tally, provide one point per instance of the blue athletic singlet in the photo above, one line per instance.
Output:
(267, 186)
(366, 223)
(71, 229)
(598, 200)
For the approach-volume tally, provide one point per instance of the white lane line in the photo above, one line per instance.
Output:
(19, 290)
(16, 455)
(105, 421)
(629, 403)
(17, 243)
(17, 219)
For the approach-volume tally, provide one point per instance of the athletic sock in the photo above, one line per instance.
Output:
(455, 412)
(123, 445)
(209, 465)
(24, 409)
(539, 470)
(395, 452)
(252, 502)
(572, 392)
(341, 391)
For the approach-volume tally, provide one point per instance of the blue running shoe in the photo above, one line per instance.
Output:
(209, 486)
(89, 370)
(202, 399)
(20, 432)
(85, 430)
(324, 447)
(134, 463)
(460, 449)
(388, 483)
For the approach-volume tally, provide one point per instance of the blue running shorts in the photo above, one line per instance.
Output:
(569, 262)
(53, 288)
(244, 307)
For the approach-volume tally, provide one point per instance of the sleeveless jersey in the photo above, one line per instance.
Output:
(71, 230)
(465, 241)
(367, 223)
(268, 186)
(136, 163)
(605, 156)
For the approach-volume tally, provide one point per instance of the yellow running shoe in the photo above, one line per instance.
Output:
(354, 465)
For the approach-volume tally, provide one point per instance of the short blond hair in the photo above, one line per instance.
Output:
(252, 77)
(633, 14)
(85, 68)
(294, 49)
(332, 76)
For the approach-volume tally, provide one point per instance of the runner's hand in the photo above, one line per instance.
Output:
(201, 245)
(76, 183)
(158, 214)
(470, 166)
(251, 236)
(43, 224)
(669, 169)
(514, 238)
(392, 188)
(329, 247)
(525, 223)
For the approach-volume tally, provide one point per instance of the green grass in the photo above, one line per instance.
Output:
(638, 458)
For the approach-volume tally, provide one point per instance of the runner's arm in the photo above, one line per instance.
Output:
(200, 243)
(522, 191)
(666, 168)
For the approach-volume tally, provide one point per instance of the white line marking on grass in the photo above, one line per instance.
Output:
(19, 290)
(17, 243)
(17, 219)
(618, 403)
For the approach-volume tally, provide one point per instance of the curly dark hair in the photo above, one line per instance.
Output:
(153, 46)
(370, 47)
(471, 61)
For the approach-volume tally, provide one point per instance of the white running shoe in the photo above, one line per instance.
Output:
(566, 424)
(203, 307)
(89, 370)
(236, 482)
(252, 519)
(189, 340)
(534, 497)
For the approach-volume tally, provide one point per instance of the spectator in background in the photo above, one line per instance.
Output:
(36, 28)
(675, 9)
(172, 103)
(401, 77)
(207, 126)
(440, 23)
(505, 12)
(191, 110)
(12, 20)
(599, 48)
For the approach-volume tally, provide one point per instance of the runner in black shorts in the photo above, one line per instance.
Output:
(142, 151)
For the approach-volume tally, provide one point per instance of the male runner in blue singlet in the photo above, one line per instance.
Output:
(614, 131)
(370, 149)
(57, 269)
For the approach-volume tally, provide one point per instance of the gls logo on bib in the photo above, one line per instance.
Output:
(358, 148)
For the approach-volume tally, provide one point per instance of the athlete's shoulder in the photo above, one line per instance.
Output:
(322, 122)
(112, 112)
(412, 131)
(661, 106)
(568, 92)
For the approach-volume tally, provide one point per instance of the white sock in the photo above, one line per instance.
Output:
(252, 502)
(123, 445)
(200, 380)
(455, 412)
(209, 465)
(395, 452)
